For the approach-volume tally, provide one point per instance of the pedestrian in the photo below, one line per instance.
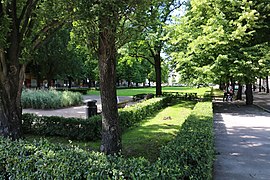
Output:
(225, 94)
(229, 93)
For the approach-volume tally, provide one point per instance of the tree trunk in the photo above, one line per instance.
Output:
(239, 92)
(158, 74)
(267, 85)
(11, 82)
(111, 136)
(49, 79)
(260, 85)
(220, 85)
(249, 94)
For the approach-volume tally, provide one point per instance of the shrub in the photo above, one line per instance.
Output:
(188, 156)
(181, 95)
(49, 99)
(73, 128)
(43, 160)
(133, 114)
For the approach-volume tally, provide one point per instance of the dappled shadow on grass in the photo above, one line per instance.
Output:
(147, 138)
(147, 141)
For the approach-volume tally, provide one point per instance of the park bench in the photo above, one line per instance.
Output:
(216, 97)
(122, 104)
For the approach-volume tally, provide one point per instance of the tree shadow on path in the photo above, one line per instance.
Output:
(242, 141)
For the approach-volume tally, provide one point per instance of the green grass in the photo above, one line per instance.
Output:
(134, 91)
(144, 139)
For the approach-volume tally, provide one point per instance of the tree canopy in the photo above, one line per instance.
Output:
(222, 40)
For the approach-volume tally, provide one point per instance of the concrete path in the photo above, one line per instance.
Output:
(242, 141)
(78, 111)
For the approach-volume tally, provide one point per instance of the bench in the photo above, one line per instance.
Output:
(122, 104)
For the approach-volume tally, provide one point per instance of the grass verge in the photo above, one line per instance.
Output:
(134, 91)
(154, 132)
(192, 150)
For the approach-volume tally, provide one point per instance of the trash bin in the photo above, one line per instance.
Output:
(91, 108)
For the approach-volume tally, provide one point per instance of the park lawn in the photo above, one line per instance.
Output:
(155, 132)
(145, 139)
(147, 90)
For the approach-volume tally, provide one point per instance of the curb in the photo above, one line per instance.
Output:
(267, 110)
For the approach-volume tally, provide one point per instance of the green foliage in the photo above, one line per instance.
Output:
(73, 128)
(42, 160)
(4, 29)
(55, 59)
(188, 156)
(49, 99)
(221, 40)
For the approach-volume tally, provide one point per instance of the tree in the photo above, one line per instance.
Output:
(84, 39)
(24, 26)
(132, 69)
(108, 22)
(220, 35)
(56, 59)
(107, 19)
(150, 43)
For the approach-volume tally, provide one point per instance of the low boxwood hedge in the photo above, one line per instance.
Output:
(188, 156)
(88, 129)
(73, 128)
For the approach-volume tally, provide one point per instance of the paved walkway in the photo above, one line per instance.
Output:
(242, 139)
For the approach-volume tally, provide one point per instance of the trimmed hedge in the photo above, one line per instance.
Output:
(192, 150)
(73, 128)
(43, 160)
(181, 95)
(88, 129)
(49, 99)
(134, 114)
(188, 156)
